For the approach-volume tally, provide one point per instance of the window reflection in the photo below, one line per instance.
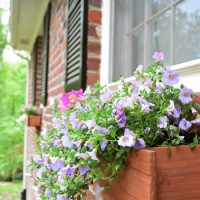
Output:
(159, 36)
(187, 31)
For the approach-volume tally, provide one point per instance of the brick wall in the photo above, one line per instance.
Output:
(57, 63)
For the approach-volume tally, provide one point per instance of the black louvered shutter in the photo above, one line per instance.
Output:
(45, 55)
(34, 73)
(76, 45)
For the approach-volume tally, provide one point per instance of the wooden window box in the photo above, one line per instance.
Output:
(33, 120)
(156, 175)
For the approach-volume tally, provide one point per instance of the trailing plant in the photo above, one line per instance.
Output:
(93, 131)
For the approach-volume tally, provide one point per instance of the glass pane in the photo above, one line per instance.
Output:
(157, 5)
(136, 12)
(187, 31)
(159, 37)
(136, 43)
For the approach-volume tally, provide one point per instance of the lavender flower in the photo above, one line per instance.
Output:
(90, 123)
(185, 125)
(159, 87)
(106, 97)
(66, 141)
(120, 109)
(171, 107)
(47, 192)
(135, 86)
(139, 68)
(129, 132)
(147, 129)
(68, 170)
(83, 169)
(121, 120)
(103, 144)
(56, 142)
(44, 132)
(56, 165)
(196, 121)
(101, 131)
(93, 154)
(74, 120)
(61, 197)
(36, 158)
(176, 113)
(39, 172)
(139, 144)
(162, 123)
(78, 144)
(194, 112)
(158, 56)
(126, 141)
(88, 144)
(170, 78)
(98, 191)
(185, 95)
(145, 108)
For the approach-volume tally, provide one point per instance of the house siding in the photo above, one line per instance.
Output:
(57, 64)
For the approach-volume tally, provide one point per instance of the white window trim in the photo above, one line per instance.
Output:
(189, 71)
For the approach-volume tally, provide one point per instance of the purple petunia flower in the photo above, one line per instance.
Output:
(121, 120)
(139, 144)
(93, 154)
(162, 123)
(120, 109)
(176, 113)
(103, 144)
(135, 86)
(106, 97)
(47, 192)
(68, 170)
(196, 121)
(126, 141)
(185, 125)
(170, 78)
(37, 159)
(194, 111)
(181, 138)
(39, 172)
(66, 141)
(44, 132)
(90, 123)
(129, 132)
(55, 165)
(101, 131)
(158, 56)
(159, 87)
(171, 107)
(98, 191)
(185, 95)
(139, 68)
(147, 129)
(145, 108)
(88, 144)
(74, 120)
(56, 142)
(78, 144)
(83, 169)
(61, 197)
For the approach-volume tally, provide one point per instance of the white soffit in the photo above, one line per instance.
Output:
(25, 22)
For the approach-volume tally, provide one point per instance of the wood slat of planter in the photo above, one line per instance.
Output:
(178, 174)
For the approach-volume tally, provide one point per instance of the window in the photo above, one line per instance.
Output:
(141, 27)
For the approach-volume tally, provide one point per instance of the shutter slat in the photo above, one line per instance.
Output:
(76, 45)
(74, 62)
(74, 56)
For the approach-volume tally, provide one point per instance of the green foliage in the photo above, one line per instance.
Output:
(10, 190)
(12, 92)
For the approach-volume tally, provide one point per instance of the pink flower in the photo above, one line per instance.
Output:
(69, 98)
(158, 56)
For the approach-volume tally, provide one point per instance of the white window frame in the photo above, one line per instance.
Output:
(189, 71)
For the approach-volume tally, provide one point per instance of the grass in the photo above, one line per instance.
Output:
(10, 190)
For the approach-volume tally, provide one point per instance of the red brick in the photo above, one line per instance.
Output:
(95, 3)
(94, 47)
(93, 63)
(92, 31)
(94, 16)
(92, 78)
